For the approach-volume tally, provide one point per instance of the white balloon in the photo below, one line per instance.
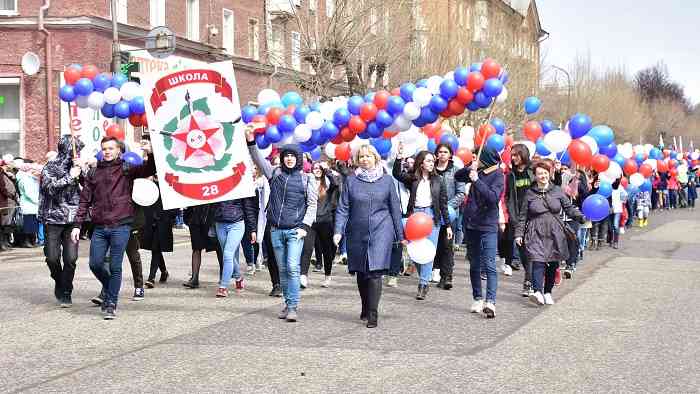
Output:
(638, 149)
(402, 123)
(434, 84)
(411, 111)
(457, 162)
(637, 179)
(446, 128)
(421, 96)
(314, 120)
(130, 90)
(503, 96)
(648, 148)
(450, 75)
(7, 157)
(614, 171)
(112, 95)
(695, 155)
(330, 150)
(266, 96)
(302, 133)
(679, 156)
(651, 162)
(591, 143)
(557, 141)
(96, 100)
(625, 150)
(605, 177)
(327, 110)
(421, 251)
(81, 101)
(144, 192)
(466, 132)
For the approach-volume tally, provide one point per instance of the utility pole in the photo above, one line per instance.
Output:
(116, 62)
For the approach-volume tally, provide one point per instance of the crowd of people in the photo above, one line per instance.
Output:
(510, 205)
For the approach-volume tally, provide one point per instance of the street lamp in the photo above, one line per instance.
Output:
(568, 97)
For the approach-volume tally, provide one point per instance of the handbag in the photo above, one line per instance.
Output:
(568, 232)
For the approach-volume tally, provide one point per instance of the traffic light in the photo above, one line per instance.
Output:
(128, 67)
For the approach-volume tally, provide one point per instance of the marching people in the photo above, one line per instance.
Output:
(369, 218)
(293, 197)
(428, 194)
(543, 233)
(200, 222)
(28, 187)
(157, 236)
(481, 225)
(107, 195)
(618, 198)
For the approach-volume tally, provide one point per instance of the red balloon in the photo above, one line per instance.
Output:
(342, 152)
(144, 120)
(262, 120)
(661, 167)
(624, 182)
(456, 107)
(672, 163)
(368, 112)
(532, 130)
(438, 136)
(464, 96)
(381, 98)
(630, 167)
(667, 153)
(431, 128)
(418, 226)
(673, 172)
(447, 113)
(490, 69)
(600, 163)
(338, 139)
(509, 140)
(135, 120)
(89, 71)
(357, 125)
(347, 134)
(475, 81)
(115, 131)
(389, 134)
(646, 170)
(71, 75)
(274, 114)
(465, 155)
(580, 153)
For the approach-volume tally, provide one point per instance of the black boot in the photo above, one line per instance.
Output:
(374, 293)
(448, 283)
(362, 286)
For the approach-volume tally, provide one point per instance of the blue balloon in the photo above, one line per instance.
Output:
(595, 207)
(247, 113)
(656, 154)
(451, 140)
(101, 82)
(373, 130)
(132, 158)
(437, 104)
(473, 106)
(122, 109)
(99, 155)
(619, 159)
(427, 115)
(609, 150)
(287, 124)
(395, 105)
(541, 148)
(364, 135)
(565, 159)
(292, 98)
(423, 83)
(646, 186)
(499, 125)
(108, 110)
(632, 189)
(307, 146)
(328, 130)
(475, 67)
(532, 104)
(355, 104)
(261, 141)
(118, 80)
(482, 100)
(273, 134)
(137, 106)
(496, 142)
(547, 126)
(369, 97)
(580, 125)
(67, 93)
(315, 106)
(432, 145)
(448, 89)
(383, 119)
(504, 78)
(83, 87)
(262, 110)
(420, 122)
(383, 146)
(407, 90)
(316, 138)
(492, 87)
(461, 74)
(602, 134)
(316, 153)
(341, 117)
(639, 158)
(605, 189)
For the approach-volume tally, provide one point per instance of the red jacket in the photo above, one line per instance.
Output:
(106, 194)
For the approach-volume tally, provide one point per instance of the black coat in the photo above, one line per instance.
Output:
(158, 224)
(438, 193)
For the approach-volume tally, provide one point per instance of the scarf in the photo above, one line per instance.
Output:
(372, 175)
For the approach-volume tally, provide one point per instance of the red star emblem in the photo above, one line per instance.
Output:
(196, 139)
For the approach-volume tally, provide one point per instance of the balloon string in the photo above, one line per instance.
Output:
(72, 132)
(488, 120)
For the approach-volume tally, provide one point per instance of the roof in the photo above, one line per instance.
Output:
(521, 6)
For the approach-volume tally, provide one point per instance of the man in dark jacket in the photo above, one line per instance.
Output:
(107, 196)
(60, 194)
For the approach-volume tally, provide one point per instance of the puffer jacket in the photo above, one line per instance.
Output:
(293, 194)
(455, 189)
(234, 211)
(59, 192)
(481, 211)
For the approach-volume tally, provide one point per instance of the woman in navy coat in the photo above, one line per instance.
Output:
(369, 216)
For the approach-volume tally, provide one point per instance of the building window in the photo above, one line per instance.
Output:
(277, 46)
(228, 31)
(10, 123)
(253, 39)
(122, 11)
(330, 8)
(296, 51)
(157, 12)
(193, 20)
(8, 7)
(313, 5)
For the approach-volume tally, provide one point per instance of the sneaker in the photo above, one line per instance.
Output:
(221, 292)
(240, 284)
(507, 270)
(66, 301)
(327, 282)
(490, 310)
(436, 276)
(557, 277)
(251, 270)
(291, 315)
(483, 276)
(99, 299)
(527, 290)
(568, 273)
(548, 300)
(150, 284)
(139, 294)
(318, 268)
(477, 306)
(392, 282)
(537, 298)
(303, 281)
(110, 313)
(283, 313)
(276, 291)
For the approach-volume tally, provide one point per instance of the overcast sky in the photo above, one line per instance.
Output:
(633, 33)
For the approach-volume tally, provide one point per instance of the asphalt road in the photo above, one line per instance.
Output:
(627, 322)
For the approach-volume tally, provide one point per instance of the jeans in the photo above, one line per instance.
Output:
(546, 270)
(230, 236)
(58, 243)
(481, 248)
(458, 230)
(287, 247)
(582, 238)
(425, 271)
(616, 222)
(40, 234)
(115, 240)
